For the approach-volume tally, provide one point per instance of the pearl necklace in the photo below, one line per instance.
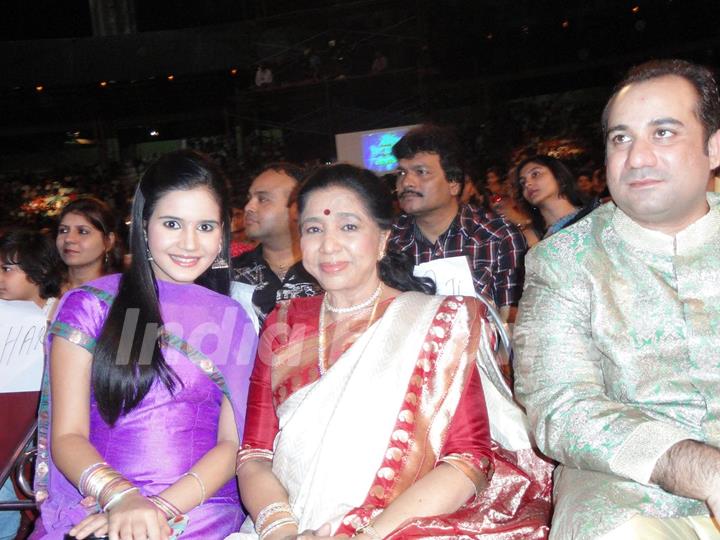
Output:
(354, 307)
(321, 323)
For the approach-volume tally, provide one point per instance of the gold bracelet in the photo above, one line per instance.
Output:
(165, 506)
(275, 525)
(200, 483)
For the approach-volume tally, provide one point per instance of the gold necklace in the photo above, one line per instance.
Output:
(281, 271)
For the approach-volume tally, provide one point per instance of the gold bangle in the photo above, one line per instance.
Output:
(200, 482)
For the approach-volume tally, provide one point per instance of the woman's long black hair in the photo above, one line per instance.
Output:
(395, 268)
(120, 383)
(565, 179)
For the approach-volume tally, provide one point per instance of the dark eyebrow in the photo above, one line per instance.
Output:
(619, 127)
(311, 218)
(656, 122)
(181, 219)
(320, 220)
(668, 120)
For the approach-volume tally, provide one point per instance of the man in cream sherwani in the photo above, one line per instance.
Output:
(618, 338)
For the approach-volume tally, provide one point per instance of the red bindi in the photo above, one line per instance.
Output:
(326, 212)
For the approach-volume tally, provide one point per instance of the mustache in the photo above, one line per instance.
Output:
(640, 174)
(409, 192)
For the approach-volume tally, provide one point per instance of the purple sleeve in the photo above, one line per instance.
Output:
(80, 318)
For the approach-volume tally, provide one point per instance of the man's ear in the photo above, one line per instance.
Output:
(456, 188)
(713, 150)
(293, 215)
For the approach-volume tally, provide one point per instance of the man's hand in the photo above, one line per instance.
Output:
(713, 503)
(691, 469)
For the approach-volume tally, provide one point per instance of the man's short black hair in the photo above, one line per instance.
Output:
(284, 167)
(296, 172)
(438, 140)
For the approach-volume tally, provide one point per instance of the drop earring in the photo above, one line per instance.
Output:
(219, 263)
(148, 255)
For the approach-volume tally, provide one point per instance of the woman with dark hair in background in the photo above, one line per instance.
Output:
(549, 188)
(87, 241)
(148, 373)
(366, 414)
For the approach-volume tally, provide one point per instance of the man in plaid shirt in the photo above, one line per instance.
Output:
(434, 225)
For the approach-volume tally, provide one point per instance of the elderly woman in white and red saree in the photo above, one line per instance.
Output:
(366, 413)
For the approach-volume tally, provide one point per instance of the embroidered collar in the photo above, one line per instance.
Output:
(691, 238)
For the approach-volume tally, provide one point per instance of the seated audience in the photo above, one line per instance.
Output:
(272, 270)
(144, 402)
(584, 184)
(87, 241)
(434, 225)
(30, 271)
(548, 187)
(30, 268)
(618, 332)
(599, 183)
(475, 191)
(239, 243)
(495, 180)
(376, 355)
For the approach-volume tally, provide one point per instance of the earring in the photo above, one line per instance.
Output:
(148, 255)
(107, 258)
(219, 263)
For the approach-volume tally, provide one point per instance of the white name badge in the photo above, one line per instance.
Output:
(22, 336)
(452, 276)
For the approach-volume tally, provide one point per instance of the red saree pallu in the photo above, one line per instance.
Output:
(402, 394)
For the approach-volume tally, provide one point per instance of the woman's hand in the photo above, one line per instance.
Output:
(136, 518)
(96, 524)
(286, 532)
(325, 531)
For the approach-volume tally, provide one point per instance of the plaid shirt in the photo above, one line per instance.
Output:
(495, 249)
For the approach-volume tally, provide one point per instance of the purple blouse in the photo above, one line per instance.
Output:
(209, 342)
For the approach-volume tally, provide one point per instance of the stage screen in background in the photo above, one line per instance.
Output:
(370, 149)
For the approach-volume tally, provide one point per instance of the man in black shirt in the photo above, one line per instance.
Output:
(274, 267)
